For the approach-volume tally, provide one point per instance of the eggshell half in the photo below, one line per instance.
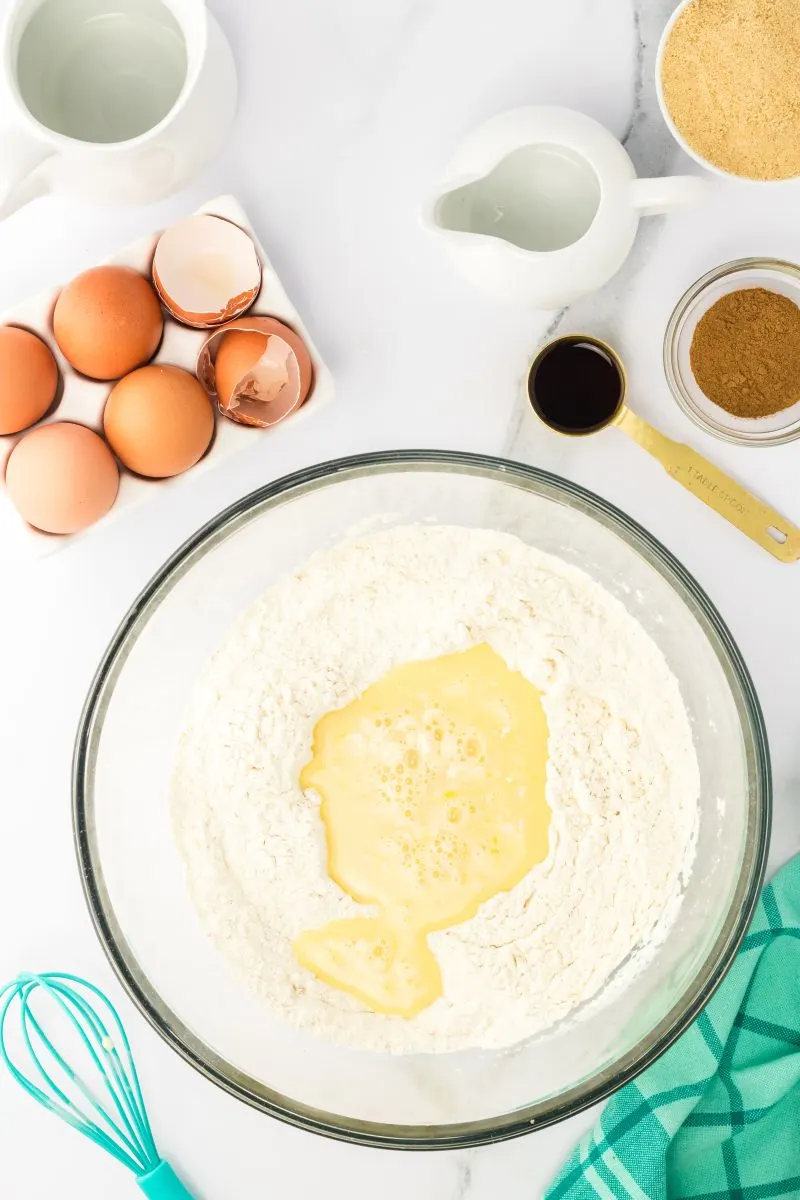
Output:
(206, 271)
(259, 369)
(61, 478)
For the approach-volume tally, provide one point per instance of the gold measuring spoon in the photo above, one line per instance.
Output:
(577, 385)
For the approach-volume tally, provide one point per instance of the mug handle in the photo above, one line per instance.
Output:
(655, 196)
(20, 156)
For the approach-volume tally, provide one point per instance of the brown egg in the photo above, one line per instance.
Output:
(159, 421)
(108, 321)
(28, 379)
(62, 478)
(238, 353)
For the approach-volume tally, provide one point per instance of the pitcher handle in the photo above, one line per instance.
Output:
(655, 196)
(20, 156)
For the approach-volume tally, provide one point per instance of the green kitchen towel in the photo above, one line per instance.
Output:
(718, 1115)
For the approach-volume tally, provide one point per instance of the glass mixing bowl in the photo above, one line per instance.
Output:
(133, 877)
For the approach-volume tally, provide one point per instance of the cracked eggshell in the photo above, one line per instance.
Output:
(258, 369)
(206, 271)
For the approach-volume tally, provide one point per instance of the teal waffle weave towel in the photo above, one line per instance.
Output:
(717, 1117)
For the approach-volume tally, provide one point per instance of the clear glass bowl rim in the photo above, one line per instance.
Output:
(169, 1026)
(779, 437)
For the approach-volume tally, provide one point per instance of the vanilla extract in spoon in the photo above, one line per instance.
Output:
(577, 386)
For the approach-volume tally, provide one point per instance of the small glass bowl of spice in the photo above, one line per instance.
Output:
(732, 352)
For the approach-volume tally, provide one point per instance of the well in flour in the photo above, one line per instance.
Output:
(622, 780)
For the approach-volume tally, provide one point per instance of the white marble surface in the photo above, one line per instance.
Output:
(348, 112)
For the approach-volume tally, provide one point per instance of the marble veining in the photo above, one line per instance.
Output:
(348, 113)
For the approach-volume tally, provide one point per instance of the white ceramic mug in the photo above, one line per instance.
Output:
(116, 101)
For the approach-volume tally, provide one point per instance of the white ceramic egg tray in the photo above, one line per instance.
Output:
(83, 400)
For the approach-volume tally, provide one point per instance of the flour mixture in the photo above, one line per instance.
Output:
(622, 785)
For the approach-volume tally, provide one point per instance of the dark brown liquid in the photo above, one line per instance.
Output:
(575, 386)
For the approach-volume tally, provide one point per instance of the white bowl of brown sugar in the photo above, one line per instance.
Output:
(732, 352)
(728, 83)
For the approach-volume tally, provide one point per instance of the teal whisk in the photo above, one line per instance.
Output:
(104, 1102)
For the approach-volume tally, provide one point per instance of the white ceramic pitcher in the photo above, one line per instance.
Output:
(115, 101)
(541, 205)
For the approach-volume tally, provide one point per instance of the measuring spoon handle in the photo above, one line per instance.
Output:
(766, 527)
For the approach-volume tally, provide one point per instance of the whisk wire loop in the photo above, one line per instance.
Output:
(62, 1106)
(72, 1005)
(112, 1113)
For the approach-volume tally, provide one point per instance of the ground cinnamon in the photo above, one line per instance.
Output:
(745, 353)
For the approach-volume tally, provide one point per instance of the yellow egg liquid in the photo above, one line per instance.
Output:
(432, 787)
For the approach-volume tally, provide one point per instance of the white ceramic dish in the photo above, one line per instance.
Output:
(673, 128)
(83, 400)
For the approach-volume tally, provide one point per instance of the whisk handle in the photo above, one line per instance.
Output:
(163, 1184)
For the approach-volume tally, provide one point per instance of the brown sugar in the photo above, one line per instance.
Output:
(731, 82)
(745, 353)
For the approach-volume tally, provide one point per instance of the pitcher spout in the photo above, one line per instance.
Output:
(435, 214)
